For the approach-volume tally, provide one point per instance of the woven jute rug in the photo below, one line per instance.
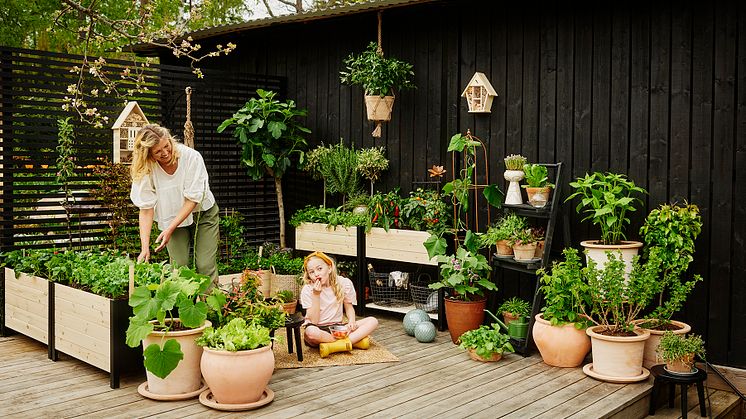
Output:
(375, 354)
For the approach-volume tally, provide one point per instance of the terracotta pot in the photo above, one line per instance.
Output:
(504, 248)
(379, 108)
(289, 308)
(617, 356)
(238, 377)
(682, 365)
(560, 346)
(524, 251)
(539, 249)
(597, 252)
(509, 317)
(473, 355)
(650, 357)
(462, 316)
(186, 378)
(538, 197)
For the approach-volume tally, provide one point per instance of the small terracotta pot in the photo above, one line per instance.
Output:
(617, 356)
(462, 316)
(538, 197)
(560, 346)
(650, 356)
(539, 249)
(473, 355)
(289, 308)
(524, 251)
(683, 365)
(509, 317)
(504, 248)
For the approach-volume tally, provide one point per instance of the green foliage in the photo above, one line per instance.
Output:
(425, 210)
(285, 264)
(269, 134)
(503, 229)
(285, 296)
(339, 170)
(514, 162)
(244, 300)
(516, 306)
(565, 291)
(377, 74)
(314, 160)
(674, 347)
(385, 210)
(486, 341)
(371, 162)
(615, 301)
(467, 272)
(154, 306)
(232, 233)
(607, 199)
(536, 176)
(66, 167)
(331, 216)
(524, 236)
(672, 229)
(237, 335)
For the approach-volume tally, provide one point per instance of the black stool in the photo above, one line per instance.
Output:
(292, 327)
(664, 377)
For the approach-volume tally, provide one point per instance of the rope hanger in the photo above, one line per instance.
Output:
(188, 127)
(377, 131)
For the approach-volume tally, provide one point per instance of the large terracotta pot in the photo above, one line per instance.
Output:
(650, 356)
(463, 316)
(186, 378)
(617, 356)
(238, 377)
(597, 252)
(560, 346)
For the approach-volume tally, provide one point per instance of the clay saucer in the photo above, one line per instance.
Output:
(143, 390)
(207, 399)
(588, 370)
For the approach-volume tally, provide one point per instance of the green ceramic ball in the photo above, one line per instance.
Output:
(412, 318)
(425, 332)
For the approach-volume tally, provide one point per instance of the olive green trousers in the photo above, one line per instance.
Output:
(207, 226)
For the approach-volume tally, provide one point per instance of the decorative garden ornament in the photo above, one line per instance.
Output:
(513, 196)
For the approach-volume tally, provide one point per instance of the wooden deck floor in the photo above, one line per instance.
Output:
(436, 379)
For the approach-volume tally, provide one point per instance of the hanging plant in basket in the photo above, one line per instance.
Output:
(380, 77)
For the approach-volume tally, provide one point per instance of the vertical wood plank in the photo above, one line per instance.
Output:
(582, 116)
(531, 76)
(659, 97)
(548, 87)
(681, 75)
(639, 97)
(513, 99)
(620, 114)
(601, 89)
(565, 89)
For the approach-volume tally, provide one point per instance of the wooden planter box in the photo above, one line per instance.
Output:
(338, 241)
(398, 245)
(80, 324)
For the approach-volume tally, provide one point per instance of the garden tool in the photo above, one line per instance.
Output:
(517, 329)
(363, 343)
(340, 345)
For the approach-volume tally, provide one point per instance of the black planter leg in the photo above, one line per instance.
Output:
(653, 398)
(683, 401)
(701, 396)
(671, 394)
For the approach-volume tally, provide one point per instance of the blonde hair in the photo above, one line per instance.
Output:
(148, 137)
(338, 291)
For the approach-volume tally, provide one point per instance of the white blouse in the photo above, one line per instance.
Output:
(166, 193)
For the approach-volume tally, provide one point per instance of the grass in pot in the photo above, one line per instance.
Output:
(679, 351)
(514, 308)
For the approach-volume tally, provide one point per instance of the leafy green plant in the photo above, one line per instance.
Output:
(339, 169)
(515, 306)
(377, 74)
(371, 162)
(270, 135)
(672, 229)
(331, 216)
(467, 272)
(536, 176)
(425, 210)
(66, 168)
(244, 300)
(525, 236)
(503, 229)
(607, 199)
(385, 210)
(285, 264)
(312, 162)
(514, 162)
(237, 335)
(486, 341)
(565, 291)
(359, 199)
(232, 234)
(154, 308)
(674, 347)
(285, 296)
(614, 301)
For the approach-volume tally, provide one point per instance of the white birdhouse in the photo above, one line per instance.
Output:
(479, 94)
(125, 130)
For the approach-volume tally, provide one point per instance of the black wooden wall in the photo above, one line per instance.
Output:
(656, 91)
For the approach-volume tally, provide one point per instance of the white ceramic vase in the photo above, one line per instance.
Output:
(513, 196)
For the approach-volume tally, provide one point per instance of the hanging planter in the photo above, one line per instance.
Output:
(379, 108)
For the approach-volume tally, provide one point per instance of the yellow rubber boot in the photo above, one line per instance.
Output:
(363, 343)
(341, 345)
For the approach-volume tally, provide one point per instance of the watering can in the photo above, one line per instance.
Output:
(517, 329)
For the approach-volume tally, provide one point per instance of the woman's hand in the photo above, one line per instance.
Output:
(144, 256)
(163, 239)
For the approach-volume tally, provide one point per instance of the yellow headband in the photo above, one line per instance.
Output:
(317, 254)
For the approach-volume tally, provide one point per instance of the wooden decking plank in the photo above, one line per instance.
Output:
(581, 401)
(616, 401)
(720, 401)
(44, 394)
(558, 397)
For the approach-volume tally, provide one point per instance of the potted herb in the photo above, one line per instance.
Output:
(514, 174)
(607, 199)
(339, 169)
(168, 339)
(286, 271)
(678, 351)
(486, 344)
(237, 363)
(358, 203)
(672, 229)
(271, 137)
(514, 308)
(288, 301)
(371, 162)
(538, 188)
(524, 244)
(379, 77)
(559, 330)
(467, 275)
(614, 303)
(501, 232)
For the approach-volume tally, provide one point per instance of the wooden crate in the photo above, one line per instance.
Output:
(398, 245)
(336, 241)
(27, 305)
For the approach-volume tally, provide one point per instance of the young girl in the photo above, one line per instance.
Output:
(325, 296)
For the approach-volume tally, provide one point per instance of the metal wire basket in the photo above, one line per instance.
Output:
(385, 293)
(423, 297)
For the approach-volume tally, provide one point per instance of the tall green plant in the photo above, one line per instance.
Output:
(377, 74)
(371, 162)
(565, 291)
(271, 136)
(66, 168)
(339, 169)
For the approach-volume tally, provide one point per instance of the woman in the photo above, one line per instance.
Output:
(326, 296)
(170, 185)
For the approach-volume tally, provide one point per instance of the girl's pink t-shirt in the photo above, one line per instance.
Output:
(331, 309)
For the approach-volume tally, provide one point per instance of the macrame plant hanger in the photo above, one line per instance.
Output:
(188, 127)
(377, 132)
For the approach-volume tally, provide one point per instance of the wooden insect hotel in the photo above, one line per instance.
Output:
(479, 94)
(125, 130)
